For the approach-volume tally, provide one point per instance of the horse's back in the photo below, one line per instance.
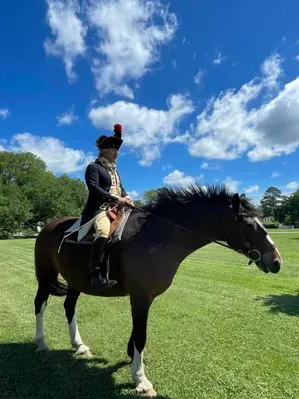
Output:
(59, 225)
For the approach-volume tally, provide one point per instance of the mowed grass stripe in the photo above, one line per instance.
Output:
(222, 330)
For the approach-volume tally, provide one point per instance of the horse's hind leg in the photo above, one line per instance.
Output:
(70, 306)
(40, 303)
(140, 308)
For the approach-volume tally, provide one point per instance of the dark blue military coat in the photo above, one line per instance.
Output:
(98, 182)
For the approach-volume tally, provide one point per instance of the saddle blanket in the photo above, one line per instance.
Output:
(83, 230)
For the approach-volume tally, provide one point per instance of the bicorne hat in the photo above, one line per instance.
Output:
(114, 141)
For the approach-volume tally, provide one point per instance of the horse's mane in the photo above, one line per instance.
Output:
(211, 194)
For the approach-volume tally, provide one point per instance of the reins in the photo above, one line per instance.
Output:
(253, 254)
(179, 226)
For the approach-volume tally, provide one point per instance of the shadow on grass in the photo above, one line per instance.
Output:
(57, 374)
(285, 303)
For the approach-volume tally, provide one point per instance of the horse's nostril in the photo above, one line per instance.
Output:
(276, 262)
(276, 266)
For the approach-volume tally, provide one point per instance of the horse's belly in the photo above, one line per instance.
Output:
(73, 267)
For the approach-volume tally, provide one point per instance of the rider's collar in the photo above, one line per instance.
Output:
(106, 163)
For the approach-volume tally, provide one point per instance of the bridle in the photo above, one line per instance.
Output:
(254, 255)
(251, 253)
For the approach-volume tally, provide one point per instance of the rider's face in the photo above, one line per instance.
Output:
(110, 154)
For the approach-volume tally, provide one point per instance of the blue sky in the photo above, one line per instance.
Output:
(205, 91)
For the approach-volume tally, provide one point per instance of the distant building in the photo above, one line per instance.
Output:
(268, 219)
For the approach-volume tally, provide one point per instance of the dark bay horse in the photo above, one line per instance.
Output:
(153, 245)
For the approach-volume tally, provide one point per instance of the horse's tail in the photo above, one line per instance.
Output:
(59, 288)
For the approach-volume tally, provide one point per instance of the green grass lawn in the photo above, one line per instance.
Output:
(223, 330)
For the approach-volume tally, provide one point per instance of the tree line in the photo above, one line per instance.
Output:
(29, 194)
(281, 209)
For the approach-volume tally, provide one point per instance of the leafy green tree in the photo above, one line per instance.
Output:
(149, 195)
(294, 207)
(138, 203)
(14, 208)
(30, 194)
(271, 201)
(23, 168)
(71, 196)
(283, 210)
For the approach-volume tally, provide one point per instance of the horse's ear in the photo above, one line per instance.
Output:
(243, 196)
(236, 203)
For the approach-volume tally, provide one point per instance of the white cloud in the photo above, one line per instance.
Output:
(133, 194)
(58, 157)
(271, 68)
(229, 127)
(292, 186)
(4, 113)
(231, 184)
(130, 36)
(69, 32)
(185, 41)
(276, 124)
(178, 178)
(275, 174)
(2, 148)
(221, 128)
(67, 118)
(174, 64)
(251, 189)
(146, 130)
(210, 166)
(219, 59)
(198, 78)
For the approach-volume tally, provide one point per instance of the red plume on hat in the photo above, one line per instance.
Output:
(118, 130)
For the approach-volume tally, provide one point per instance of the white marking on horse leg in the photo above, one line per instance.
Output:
(144, 386)
(76, 340)
(39, 331)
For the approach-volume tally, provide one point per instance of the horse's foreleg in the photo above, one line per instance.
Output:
(140, 308)
(40, 303)
(70, 306)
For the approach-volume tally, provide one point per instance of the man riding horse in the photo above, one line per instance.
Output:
(104, 186)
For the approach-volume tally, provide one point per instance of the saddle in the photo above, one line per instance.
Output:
(115, 215)
(118, 216)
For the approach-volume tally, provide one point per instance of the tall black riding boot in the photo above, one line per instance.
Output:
(97, 267)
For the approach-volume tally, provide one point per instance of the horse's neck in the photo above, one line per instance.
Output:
(201, 230)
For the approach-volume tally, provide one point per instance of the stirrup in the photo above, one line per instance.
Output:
(98, 281)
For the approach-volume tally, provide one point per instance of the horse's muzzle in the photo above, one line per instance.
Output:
(272, 267)
(275, 266)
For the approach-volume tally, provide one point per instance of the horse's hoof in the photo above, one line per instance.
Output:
(143, 390)
(83, 350)
(42, 347)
